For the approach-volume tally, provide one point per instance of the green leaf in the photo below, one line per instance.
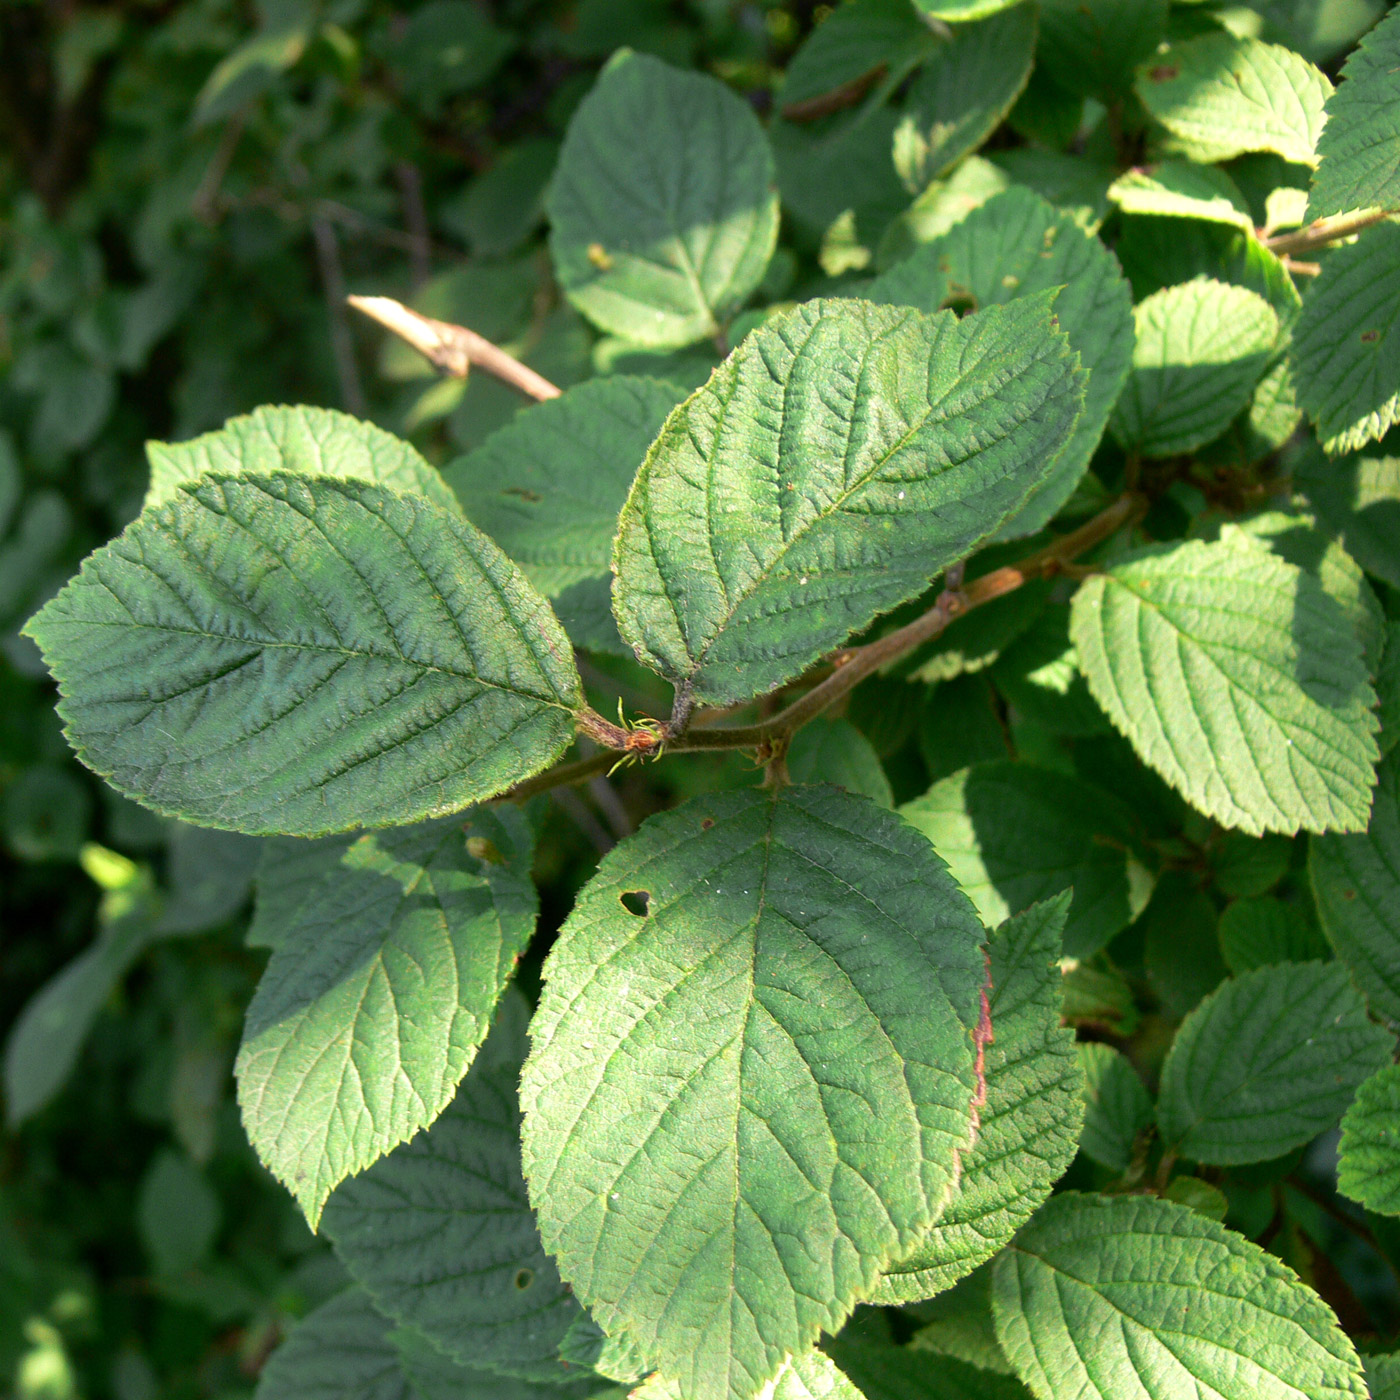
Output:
(1013, 834)
(1243, 866)
(1014, 246)
(1181, 943)
(1029, 1123)
(1388, 688)
(1346, 345)
(662, 210)
(443, 48)
(1368, 1166)
(434, 1375)
(1039, 675)
(1257, 932)
(962, 93)
(962, 10)
(1267, 1062)
(733, 1122)
(341, 1350)
(1182, 189)
(1359, 149)
(960, 726)
(300, 655)
(290, 873)
(1237, 679)
(886, 1372)
(1383, 1376)
(1092, 45)
(441, 1234)
(549, 485)
(1359, 498)
(1221, 95)
(1201, 348)
(586, 1344)
(1127, 1297)
(835, 751)
(1117, 1108)
(958, 1322)
(859, 43)
(810, 1375)
(177, 1212)
(832, 466)
(1356, 882)
(301, 442)
(378, 995)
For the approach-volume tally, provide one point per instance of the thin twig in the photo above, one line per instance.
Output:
(454, 349)
(1321, 232)
(410, 182)
(342, 342)
(770, 735)
(204, 205)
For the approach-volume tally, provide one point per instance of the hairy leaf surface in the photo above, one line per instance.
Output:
(662, 209)
(1368, 1166)
(1237, 679)
(1201, 348)
(752, 1076)
(1014, 246)
(1346, 345)
(1267, 1062)
(840, 458)
(1028, 1126)
(289, 655)
(1356, 882)
(1013, 834)
(549, 485)
(442, 1236)
(1359, 149)
(300, 441)
(1131, 1298)
(1221, 96)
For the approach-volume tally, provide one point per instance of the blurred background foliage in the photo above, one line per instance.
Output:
(188, 189)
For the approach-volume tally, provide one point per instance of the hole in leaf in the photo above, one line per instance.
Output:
(1370, 337)
(707, 823)
(524, 1278)
(479, 848)
(636, 902)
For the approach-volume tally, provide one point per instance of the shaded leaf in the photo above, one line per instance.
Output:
(1359, 498)
(1266, 1063)
(835, 751)
(1368, 1165)
(379, 993)
(1116, 1106)
(662, 209)
(1092, 45)
(1257, 932)
(339, 1352)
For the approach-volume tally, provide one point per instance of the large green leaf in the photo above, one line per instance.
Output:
(1346, 345)
(434, 1375)
(379, 993)
(1359, 149)
(663, 210)
(1016, 245)
(1356, 882)
(752, 1077)
(290, 873)
(549, 485)
(303, 655)
(1092, 45)
(1256, 932)
(1368, 1166)
(1267, 1062)
(886, 1372)
(301, 442)
(1181, 189)
(1221, 96)
(1013, 834)
(339, 1352)
(962, 93)
(1029, 1123)
(832, 466)
(442, 1236)
(1237, 679)
(1131, 1298)
(1201, 348)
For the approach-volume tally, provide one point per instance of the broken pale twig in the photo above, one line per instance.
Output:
(454, 349)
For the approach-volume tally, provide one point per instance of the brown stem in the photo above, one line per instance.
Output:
(342, 343)
(770, 736)
(454, 349)
(1321, 232)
